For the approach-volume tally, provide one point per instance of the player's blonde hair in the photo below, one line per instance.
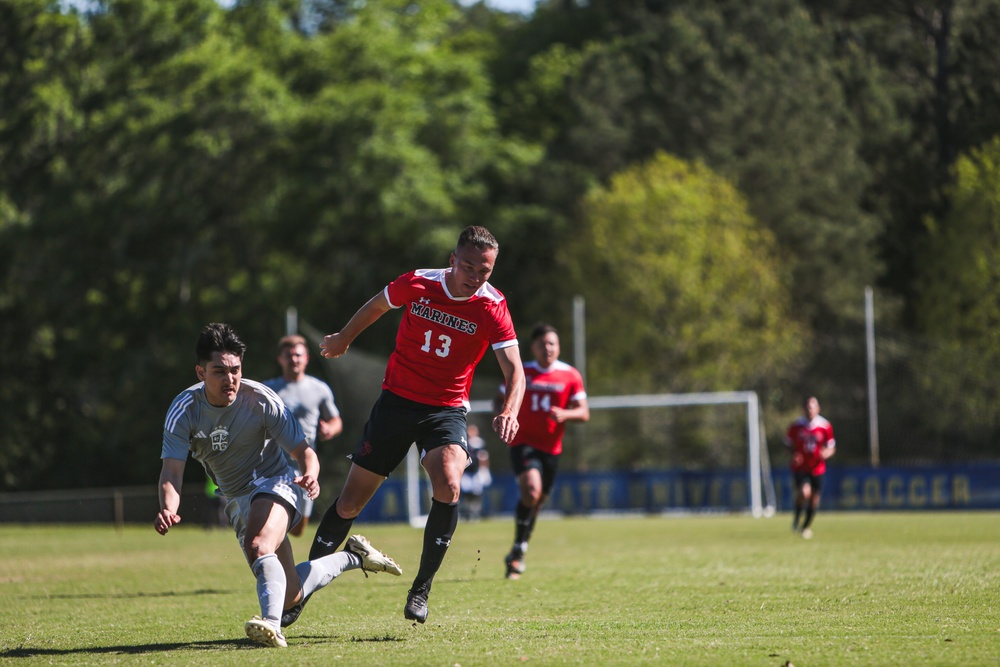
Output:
(291, 341)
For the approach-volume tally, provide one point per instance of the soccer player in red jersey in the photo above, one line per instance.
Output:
(810, 439)
(554, 396)
(450, 318)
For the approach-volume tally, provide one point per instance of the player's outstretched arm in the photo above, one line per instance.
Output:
(171, 479)
(336, 344)
(505, 423)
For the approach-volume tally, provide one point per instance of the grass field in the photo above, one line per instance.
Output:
(869, 589)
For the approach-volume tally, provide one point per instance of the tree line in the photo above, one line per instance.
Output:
(719, 179)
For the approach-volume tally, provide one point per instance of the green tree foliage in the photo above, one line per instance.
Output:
(918, 79)
(166, 170)
(960, 263)
(747, 88)
(959, 305)
(684, 288)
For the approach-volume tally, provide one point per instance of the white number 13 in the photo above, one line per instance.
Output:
(441, 351)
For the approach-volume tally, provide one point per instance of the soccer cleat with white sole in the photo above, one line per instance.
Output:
(515, 565)
(261, 632)
(372, 560)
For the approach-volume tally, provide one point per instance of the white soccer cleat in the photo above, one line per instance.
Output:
(372, 559)
(261, 632)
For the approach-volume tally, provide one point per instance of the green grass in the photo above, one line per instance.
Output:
(869, 589)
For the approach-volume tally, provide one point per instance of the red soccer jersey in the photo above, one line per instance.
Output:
(441, 337)
(810, 438)
(556, 386)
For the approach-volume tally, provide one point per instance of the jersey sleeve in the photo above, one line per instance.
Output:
(502, 332)
(177, 429)
(830, 441)
(397, 292)
(282, 426)
(577, 392)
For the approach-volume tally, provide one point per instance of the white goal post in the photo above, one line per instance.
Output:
(761, 486)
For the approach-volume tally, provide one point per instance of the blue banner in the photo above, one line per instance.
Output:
(860, 488)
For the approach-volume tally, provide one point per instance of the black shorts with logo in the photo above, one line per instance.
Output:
(525, 457)
(396, 423)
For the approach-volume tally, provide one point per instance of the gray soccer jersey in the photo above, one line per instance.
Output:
(236, 444)
(309, 400)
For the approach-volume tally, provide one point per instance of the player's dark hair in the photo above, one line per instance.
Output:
(541, 329)
(218, 337)
(478, 237)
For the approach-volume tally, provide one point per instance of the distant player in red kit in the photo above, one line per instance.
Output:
(450, 318)
(554, 396)
(810, 439)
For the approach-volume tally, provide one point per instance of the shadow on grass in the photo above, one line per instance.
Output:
(141, 649)
(140, 594)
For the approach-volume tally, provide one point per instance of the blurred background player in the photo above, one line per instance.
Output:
(476, 478)
(553, 396)
(237, 428)
(310, 400)
(451, 317)
(810, 439)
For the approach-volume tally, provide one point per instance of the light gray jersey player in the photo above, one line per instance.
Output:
(309, 399)
(236, 429)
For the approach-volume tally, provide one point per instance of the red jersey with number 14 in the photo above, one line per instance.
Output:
(442, 337)
(810, 438)
(554, 387)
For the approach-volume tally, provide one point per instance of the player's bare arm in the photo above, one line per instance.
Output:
(329, 428)
(336, 344)
(505, 424)
(171, 480)
(308, 462)
(578, 410)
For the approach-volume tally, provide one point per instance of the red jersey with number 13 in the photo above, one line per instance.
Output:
(441, 337)
(555, 386)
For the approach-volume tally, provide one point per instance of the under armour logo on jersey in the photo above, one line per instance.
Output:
(424, 300)
(442, 543)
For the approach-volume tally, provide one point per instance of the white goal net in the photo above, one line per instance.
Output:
(698, 433)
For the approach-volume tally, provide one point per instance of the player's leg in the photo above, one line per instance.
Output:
(800, 497)
(815, 488)
(359, 487)
(266, 525)
(549, 466)
(444, 466)
(312, 575)
(386, 439)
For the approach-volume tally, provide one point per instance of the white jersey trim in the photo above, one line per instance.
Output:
(181, 404)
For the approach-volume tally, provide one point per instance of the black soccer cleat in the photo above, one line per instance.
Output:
(416, 604)
(291, 614)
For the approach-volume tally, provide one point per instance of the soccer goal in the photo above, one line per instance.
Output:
(656, 417)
